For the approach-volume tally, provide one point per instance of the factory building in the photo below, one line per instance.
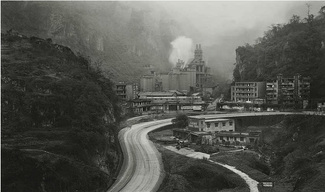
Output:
(184, 78)
(180, 78)
(198, 64)
(150, 81)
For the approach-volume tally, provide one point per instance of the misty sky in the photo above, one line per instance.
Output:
(217, 19)
(223, 26)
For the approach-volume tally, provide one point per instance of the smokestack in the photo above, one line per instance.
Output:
(200, 46)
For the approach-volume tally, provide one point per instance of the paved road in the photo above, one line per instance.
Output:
(141, 169)
(247, 114)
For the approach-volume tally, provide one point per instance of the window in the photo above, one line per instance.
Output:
(230, 123)
(216, 124)
(223, 123)
(208, 125)
(242, 139)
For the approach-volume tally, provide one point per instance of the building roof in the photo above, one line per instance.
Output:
(231, 134)
(178, 93)
(156, 94)
(141, 100)
(196, 94)
(200, 133)
(121, 83)
(216, 120)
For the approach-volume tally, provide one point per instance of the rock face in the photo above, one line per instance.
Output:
(57, 119)
(122, 36)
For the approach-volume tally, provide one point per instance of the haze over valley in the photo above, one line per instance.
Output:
(162, 96)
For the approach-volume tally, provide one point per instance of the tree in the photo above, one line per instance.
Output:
(181, 121)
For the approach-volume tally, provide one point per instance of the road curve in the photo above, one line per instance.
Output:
(141, 169)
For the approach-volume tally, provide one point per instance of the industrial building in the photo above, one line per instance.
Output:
(183, 77)
(180, 78)
(168, 101)
(150, 81)
(202, 71)
(248, 91)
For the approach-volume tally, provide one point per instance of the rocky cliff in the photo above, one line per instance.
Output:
(58, 119)
(121, 37)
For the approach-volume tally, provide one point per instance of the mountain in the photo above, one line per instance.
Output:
(58, 119)
(120, 37)
(295, 47)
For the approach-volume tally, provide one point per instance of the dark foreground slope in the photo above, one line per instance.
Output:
(297, 152)
(185, 174)
(58, 119)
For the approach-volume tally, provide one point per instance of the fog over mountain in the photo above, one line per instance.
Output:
(223, 26)
(124, 36)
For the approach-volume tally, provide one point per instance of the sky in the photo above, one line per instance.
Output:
(222, 26)
(217, 18)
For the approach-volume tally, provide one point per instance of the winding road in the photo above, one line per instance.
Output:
(142, 169)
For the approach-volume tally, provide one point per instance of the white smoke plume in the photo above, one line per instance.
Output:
(182, 49)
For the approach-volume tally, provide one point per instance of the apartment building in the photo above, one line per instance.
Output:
(247, 92)
(288, 90)
(121, 90)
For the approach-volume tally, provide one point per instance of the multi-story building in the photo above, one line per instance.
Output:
(272, 92)
(210, 125)
(210, 130)
(288, 91)
(247, 91)
(126, 92)
(121, 90)
(132, 91)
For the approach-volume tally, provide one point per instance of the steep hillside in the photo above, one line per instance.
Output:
(119, 36)
(295, 47)
(296, 152)
(58, 119)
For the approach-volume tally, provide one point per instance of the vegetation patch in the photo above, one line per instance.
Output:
(187, 174)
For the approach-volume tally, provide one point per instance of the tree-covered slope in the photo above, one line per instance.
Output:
(58, 119)
(295, 47)
(296, 152)
(122, 36)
